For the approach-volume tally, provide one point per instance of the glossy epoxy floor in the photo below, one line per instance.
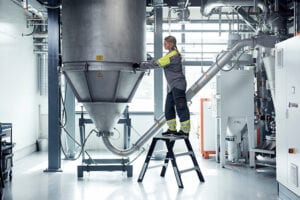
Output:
(232, 183)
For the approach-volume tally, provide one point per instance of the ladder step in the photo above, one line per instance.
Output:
(184, 154)
(188, 170)
(160, 151)
(155, 166)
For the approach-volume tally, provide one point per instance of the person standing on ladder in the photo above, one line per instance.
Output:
(176, 97)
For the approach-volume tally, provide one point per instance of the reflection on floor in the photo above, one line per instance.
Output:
(230, 183)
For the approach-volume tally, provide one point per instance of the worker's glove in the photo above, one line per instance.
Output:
(136, 66)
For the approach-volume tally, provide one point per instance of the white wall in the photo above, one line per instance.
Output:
(18, 76)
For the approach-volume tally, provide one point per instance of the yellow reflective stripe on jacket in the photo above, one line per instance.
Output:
(164, 61)
(172, 124)
(185, 126)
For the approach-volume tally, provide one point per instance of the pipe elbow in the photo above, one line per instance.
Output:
(212, 4)
(262, 6)
(116, 151)
(209, 7)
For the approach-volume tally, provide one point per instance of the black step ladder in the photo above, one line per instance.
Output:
(170, 141)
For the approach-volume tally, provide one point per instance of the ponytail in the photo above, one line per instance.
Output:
(172, 40)
(176, 49)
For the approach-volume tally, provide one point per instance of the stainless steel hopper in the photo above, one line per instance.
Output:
(101, 39)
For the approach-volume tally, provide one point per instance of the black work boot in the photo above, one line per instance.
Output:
(169, 133)
(181, 134)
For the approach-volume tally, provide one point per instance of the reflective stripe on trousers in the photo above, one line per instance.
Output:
(172, 124)
(185, 126)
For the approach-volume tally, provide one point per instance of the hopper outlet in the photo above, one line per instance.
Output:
(105, 115)
(104, 88)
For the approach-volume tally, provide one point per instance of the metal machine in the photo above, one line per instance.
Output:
(235, 106)
(224, 58)
(288, 115)
(245, 117)
(98, 52)
(264, 151)
(101, 40)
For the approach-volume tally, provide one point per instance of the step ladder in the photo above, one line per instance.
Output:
(170, 141)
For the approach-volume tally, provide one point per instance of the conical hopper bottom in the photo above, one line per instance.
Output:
(105, 115)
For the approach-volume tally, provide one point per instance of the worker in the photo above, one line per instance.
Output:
(176, 97)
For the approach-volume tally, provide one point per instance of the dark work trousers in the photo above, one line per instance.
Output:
(177, 98)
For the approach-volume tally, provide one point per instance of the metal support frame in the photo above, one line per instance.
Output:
(102, 164)
(251, 23)
(183, 42)
(54, 153)
(127, 127)
(158, 73)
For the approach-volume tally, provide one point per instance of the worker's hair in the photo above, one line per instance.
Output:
(171, 39)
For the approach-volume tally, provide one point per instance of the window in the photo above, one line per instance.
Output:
(193, 73)
(144, 97)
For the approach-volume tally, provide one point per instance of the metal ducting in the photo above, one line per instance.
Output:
(101, 39)
(212, 4)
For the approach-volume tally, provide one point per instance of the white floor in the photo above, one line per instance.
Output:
(230, 183)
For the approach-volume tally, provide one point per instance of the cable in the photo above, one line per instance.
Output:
(31, 33)
(81, 151)
(64, 111)
(135, 130)
(236, 64)
(63, 126)
(217, 62)
(142, 151)
(90, 133)
(118, 133)
(238, 58)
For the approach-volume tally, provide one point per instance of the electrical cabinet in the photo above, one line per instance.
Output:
(287, 108)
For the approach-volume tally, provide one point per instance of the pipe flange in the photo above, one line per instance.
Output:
(105, 134)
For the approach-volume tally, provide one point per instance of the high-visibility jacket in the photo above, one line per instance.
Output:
(172, 65)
